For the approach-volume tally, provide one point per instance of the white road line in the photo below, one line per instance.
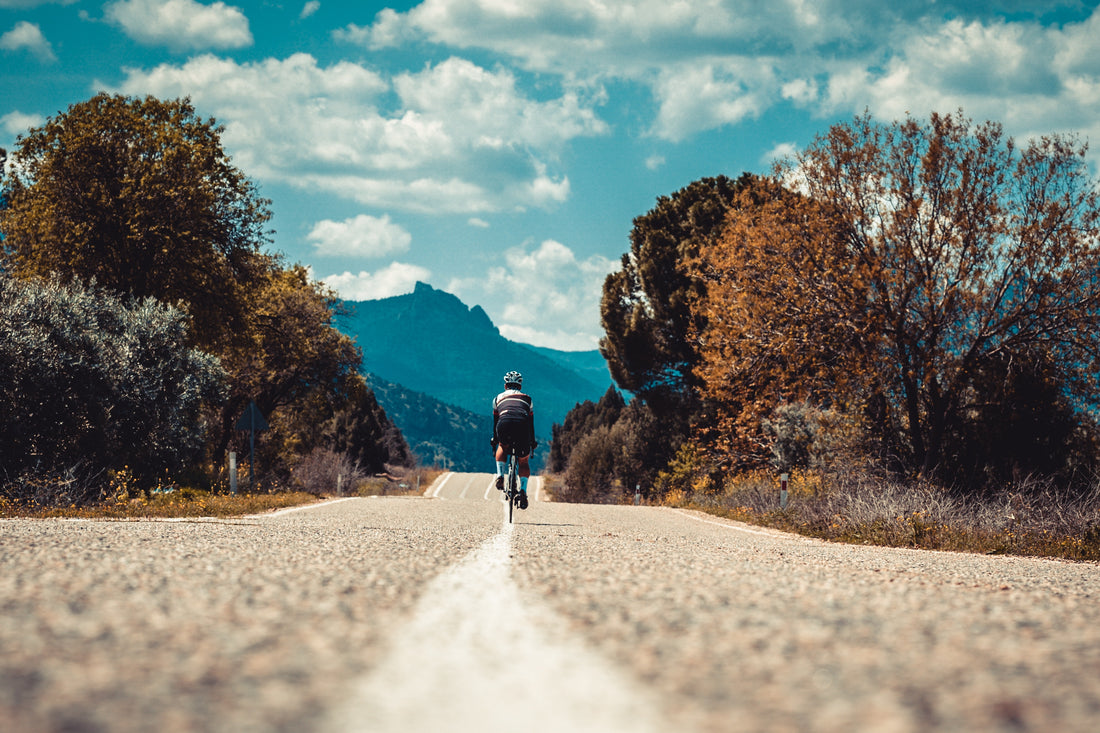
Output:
(774, 534)
(465, 489)
(477, 656)
(491, 488)
(439, 483)
(318, 505)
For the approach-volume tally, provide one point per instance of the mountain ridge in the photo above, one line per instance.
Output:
(429, 342)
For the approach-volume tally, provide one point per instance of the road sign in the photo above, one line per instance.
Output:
(252, 419)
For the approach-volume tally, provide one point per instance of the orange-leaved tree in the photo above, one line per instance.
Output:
(784, 314)
(945, 267)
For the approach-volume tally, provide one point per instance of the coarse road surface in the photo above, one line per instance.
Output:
(433, 614)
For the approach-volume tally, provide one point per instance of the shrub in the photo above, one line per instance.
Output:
(326, 472)
(90, 381)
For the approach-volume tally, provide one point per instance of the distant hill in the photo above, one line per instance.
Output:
(430, 342)
(437, 433)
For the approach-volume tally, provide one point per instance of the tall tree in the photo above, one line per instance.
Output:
(288, 354)
(646, 307)
(941, 255)
(784, 317)
(138, 195)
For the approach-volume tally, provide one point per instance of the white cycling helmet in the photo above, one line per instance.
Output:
(513, 378)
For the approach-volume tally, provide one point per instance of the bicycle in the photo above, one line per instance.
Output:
(511, 482)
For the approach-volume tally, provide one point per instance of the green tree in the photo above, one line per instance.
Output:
(578, 422)
(361, 430)
(138, 195)
(289, 359)
(646, 308)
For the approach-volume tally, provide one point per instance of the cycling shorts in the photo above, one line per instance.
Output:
(515, 433)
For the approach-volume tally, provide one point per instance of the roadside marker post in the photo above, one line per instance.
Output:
(783, 478)
(637, 494)
(233, 473)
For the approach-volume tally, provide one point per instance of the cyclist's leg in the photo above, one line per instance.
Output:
(524, 474)
(501, 466)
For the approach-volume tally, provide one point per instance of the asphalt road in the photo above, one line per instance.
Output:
(431, 613)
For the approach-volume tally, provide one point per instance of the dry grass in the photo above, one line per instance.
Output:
(1030, 518)
(199, 503)
(180, 503)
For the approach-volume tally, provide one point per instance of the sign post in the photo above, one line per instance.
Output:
(233, 473)
(253, 421)
(783, 490)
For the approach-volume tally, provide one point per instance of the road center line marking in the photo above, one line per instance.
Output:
(477, 656)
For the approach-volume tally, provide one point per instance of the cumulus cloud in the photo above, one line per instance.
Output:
(28, 37)
(396, 278)
(452, 138)
(710, 64)
(779, 152)
(1033, 78)
(181, 25)
(549, 297)
(361, 236)
(17, 123)
(309, 9)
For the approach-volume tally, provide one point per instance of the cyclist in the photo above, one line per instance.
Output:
(514, 426)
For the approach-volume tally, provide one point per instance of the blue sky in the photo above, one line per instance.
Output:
(499, 149)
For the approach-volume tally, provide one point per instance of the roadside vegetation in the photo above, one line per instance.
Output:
(323, 478)
(141, 313)
(902, 316)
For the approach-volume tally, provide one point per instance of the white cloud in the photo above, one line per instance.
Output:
(396, 278)
(1035, 79)
(309, 9)
(476, 222)
(28, 37)
(780, 151)
(713, 63)
(181, 24)
(362, 236)
(454, 138)
(17, 123)
(654, 162)
(547, 296)
(697, 97)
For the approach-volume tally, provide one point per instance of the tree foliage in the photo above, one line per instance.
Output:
(579, 422)
(926, 276)
(604, 449)
(92, 382)
(139, 195)
(646, 308)
(289, 357)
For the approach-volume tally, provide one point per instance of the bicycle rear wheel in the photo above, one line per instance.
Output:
(513, 486)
